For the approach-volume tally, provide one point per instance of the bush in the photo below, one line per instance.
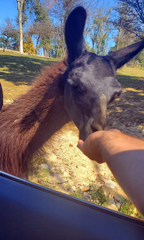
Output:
(28, 46)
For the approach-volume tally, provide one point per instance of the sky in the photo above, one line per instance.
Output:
(9, 10)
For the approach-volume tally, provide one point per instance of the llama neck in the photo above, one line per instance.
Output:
(31, 120)
(47, 113)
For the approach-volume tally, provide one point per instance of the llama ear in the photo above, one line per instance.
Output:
(1, 97)
(122, 56)
(74, 29)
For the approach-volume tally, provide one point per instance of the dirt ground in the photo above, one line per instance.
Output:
(127, 113)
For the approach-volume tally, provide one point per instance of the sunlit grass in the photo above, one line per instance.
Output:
(134, 72)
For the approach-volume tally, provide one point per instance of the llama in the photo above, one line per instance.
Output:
(76, 89)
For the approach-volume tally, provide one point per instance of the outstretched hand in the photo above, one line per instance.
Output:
(99, 145)
(91, 146)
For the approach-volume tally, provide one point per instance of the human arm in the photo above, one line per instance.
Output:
(125, 157)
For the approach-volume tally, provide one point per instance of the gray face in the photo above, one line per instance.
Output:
(90, 86)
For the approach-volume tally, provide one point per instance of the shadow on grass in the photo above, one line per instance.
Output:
(21, 69)
(130, 81)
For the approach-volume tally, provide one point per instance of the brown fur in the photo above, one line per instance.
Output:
(27, 123)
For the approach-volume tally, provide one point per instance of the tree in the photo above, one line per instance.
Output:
(131, 12)
(2, 42)
(140, 58)
(41, 30)
(46, 45)
(123, 38)
(40, 12)
(99, 31)
(9, 33)
(28, 46)
(20, 10)
(60, 10)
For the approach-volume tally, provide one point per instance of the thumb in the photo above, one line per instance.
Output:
(80, 144)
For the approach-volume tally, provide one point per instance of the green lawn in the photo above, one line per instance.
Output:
(17, 72)
(131, 77)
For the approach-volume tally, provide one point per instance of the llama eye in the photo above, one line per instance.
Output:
(75, 86)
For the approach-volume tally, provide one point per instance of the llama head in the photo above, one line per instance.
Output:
(91, 79)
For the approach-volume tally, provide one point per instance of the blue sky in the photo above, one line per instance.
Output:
(8, 9)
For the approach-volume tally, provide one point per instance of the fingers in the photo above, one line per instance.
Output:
(90, 146)
(80, 144)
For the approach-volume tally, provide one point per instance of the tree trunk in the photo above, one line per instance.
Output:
(44, 51)
(6, 43)
(20, 6)
(47, 53)
(37, 42)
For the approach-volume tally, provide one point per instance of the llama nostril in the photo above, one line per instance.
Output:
(93, 129)
(98, 127)
(115, 95)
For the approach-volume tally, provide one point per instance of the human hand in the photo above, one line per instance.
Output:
(91, 146)
(101, 144)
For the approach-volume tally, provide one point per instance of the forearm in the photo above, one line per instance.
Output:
(128, 169)
(125, 157)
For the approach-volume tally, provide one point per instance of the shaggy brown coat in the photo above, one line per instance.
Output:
(30, 120)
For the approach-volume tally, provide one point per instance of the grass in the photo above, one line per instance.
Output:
(77, 194)
(131, 77)
(128, 208)
(100, 197)
(17, 72)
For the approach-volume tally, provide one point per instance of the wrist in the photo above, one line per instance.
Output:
(109, 143)
(114, 141)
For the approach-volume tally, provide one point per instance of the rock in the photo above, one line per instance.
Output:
(95, 187)
(114, 189)
(52, 173)
(84, 189)
(56, 179)
(59, 179)
(120, 197)
(118, 205)
(110, 184)
(112, 207)
(111, 201)
(45, 166)
(87, 196)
